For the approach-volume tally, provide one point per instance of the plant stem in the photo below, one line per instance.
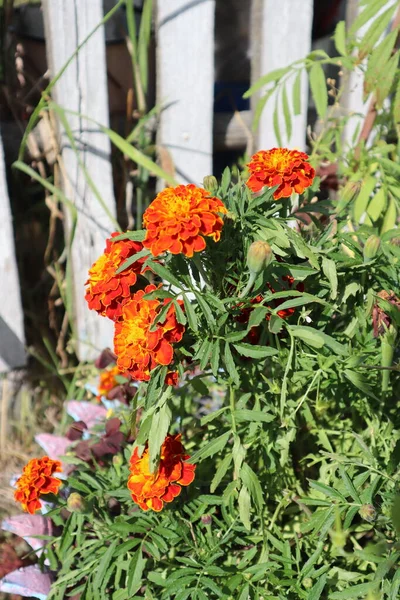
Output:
(232, 407)
(249, 285)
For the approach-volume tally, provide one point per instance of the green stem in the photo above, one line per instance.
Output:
(232, 407)
(250, 283)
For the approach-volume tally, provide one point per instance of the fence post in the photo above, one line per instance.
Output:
(83, 89)
(185, 84)
(281, 34)
(12, 339)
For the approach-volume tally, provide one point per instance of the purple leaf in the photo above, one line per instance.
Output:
(27, 526)
(27, 582)
(89, 413)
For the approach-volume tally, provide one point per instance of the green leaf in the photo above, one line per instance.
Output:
(190, 313)
(244, 507)
(257, 416)
(205, 309)
(211, 448)
(327, 491)
(136, 156)
(317, 589)
(135, 570)
(275, 75)
(158, 431)
(104, 564)
(253, 351)
(286, 113)
(309, 335)
(220, 472)
(230, 364)
(349, 485)
(252, 483)
(355, 591)
(180, 315)
(132, 259)
(136, 236)
(297, 93)
(339, 38)
(275, 122)
(215, 358)
(318, 89)
(164, 273)
(329, 269)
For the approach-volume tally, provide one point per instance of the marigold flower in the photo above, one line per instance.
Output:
(180, 218)
(380, 319)
(108, 290)
(288, 169)
(138, 349)
(37, 479)
(107, 381)
(151, 490)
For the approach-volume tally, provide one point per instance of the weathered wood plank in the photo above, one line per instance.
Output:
(83, 89)
(281, 34)
(185, 84)
(12, 338)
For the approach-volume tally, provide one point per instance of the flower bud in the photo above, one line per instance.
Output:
(307, 582)
(210, 184)
(259, 256)
(206, 519)
(117, 460)
(348, 193)
(371, 248)
(367, 512)
(76, 503)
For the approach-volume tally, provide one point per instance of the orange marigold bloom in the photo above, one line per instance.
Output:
(180, 218)
(289, 169)
(151, 490)
(138, 349)
(37, 479)
(107, 381)
(108, 290)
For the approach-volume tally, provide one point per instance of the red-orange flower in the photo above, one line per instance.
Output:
(138, 349)
(180, 218)
(37, 479)
(107, 381)
(108, 290)
(289, 169)
(151, 490)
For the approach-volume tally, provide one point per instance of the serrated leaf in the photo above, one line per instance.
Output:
(253, 351)
(164, 273)
(135, 570)
(329, 269)
(275, 75)
(220, 472)
(211, 448)
(317, 589)
(252, 483)
(132, 259)
(244, 507)
(296, 92)
(256, 416)
(286, 113)
(104, 564)
(230, 364)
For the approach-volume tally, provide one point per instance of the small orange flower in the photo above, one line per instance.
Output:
(108, 291)
(151, 490)
(180, 218)
(37, 479)
(107, 381)
(138, 349)
(289, 169)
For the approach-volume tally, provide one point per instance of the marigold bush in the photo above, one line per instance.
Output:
(254, 452)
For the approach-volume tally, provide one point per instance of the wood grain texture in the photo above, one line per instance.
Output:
(281, 34)
(12, 339)
(185, 84)
(83, 89)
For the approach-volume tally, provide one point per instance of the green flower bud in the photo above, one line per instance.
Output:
(367, 512)
(210, 184)
(308, 583)
(371, 248)
(348, 193)
(76, 503)
(259, 256)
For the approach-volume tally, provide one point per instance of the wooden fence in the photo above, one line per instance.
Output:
(280, 32)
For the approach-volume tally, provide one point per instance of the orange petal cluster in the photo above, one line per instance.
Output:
(107, 381)
(289, 169)
(138, 349)
(151, 490)
(37, 479)
(108, 290)
(179, 219)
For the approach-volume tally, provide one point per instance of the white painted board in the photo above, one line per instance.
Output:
(283, 36)
(185, 84)
(83, 89)
(12, 340)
